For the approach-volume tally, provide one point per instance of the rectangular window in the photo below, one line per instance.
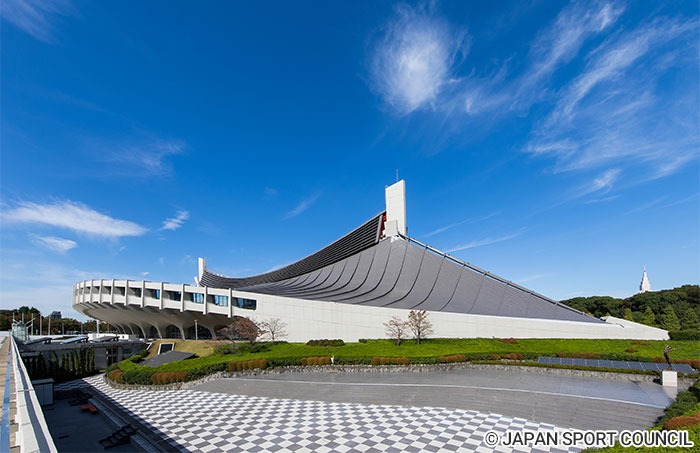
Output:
(221, 301)
(247, 304)
(198, 298)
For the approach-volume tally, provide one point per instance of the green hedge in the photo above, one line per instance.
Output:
(331, 343)
(685, 335)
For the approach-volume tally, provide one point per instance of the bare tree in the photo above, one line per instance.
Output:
(274, 328)
(419, 324)
(242, 329)
(396, 329)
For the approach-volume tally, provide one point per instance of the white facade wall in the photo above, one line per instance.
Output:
(308, 320)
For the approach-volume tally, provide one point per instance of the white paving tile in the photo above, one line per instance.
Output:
(215, 422)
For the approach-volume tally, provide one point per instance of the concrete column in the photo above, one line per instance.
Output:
(182, 298)
(90, 290)
(183, 332)
(143, 293)
(161, 295)
(126, 293)
(230, 303)
(111, 297)
(206, 295)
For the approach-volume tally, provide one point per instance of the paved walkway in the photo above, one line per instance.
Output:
(207, 421)
(566, 401)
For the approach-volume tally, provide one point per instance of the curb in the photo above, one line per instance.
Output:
(631, 377)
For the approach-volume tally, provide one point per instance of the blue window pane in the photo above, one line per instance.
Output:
(247, 304)
(221, 301)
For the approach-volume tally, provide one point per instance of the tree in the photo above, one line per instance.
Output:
(690, 320)
(649, 319)
(669, 319)
(396, 329)
(419, 324)
(628, 314)
(242, 329)
(274, 328)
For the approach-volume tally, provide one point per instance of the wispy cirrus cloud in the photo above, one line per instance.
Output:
(54, 243)
(36, 17)
(175, 222)
(415, 57)
(483, 242)
(463, 222)
(141, 158)
(615, 113)
(561, 42)
(73, 216)
(302, 206)
(603, 89)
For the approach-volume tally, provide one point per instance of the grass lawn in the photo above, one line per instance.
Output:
(201, 348)
(429, 348)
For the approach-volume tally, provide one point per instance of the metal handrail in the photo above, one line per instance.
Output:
(33, 434)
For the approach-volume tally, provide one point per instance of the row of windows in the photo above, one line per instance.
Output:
(197, 298)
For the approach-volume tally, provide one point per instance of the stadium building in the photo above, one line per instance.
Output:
(348, 290)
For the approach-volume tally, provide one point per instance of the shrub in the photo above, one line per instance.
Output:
(640, 343)
(247, 365)
(390, 361)
(685, 401)
(514, 356)
(580, 355)
(221, 349)
(508, 340)
(168, 378)
(333, 343)
(362, 340)
(630, 350)
(693, 363)
(139, 377)
(116, 376)
(682, 422)
(453, 358)
(688, 335)
(496, 356)
(312, 361)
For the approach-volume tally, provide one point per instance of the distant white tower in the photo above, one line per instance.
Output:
(645, 285)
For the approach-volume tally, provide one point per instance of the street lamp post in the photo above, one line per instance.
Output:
(196, 330)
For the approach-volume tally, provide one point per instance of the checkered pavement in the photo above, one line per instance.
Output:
(214, 422)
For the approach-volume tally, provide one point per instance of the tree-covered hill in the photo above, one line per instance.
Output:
(670, 309)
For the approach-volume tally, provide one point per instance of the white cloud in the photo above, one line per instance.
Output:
(530, 278)
(645, 206)
(562, 41)
(73, 216)
(144, 274)
(618, 112)
(36, 17)
(463, 222)
(148, 157)
(175, 222)
(605, 181)
(482, 242)
(302, 206)
(56, 244)
(415, 58)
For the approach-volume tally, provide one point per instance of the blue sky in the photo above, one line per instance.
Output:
(552, 143)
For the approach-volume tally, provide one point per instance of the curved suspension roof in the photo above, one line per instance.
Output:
(363, 268)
